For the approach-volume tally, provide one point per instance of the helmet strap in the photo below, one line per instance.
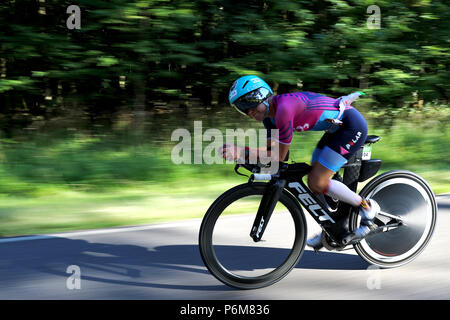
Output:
(266, 103)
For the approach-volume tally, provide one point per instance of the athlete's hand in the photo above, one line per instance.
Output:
(231, 151)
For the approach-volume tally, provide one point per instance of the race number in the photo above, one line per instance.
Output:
(367, 152)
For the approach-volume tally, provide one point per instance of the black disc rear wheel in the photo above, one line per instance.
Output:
(407, 196)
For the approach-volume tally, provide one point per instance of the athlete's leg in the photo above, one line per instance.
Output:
(319, 147)
(320, 182)
(318, 178)
(332, 152)
(325, 162)
(314, 160)
(339, 148)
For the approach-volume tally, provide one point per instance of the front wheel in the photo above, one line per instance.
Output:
(228, 250)
(407, 196)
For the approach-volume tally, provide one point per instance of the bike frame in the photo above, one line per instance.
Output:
(336, 223)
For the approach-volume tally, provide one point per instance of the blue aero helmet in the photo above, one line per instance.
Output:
(248, 92)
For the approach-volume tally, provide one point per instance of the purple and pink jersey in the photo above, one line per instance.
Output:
(302, 111)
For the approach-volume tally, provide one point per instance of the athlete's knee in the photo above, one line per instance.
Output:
(316, 184)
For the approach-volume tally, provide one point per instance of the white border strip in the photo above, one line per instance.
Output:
(102, 231)
(442, 195)
(116, 230)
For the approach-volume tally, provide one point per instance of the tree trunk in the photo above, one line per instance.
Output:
(364, 76)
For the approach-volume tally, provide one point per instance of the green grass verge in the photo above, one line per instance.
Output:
(82, 182)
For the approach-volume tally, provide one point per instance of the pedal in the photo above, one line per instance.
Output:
(352, 238)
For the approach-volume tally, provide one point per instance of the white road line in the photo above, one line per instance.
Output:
(102, 231)
(112, 230)
(25, 238)
(442, 195)
(193, 222)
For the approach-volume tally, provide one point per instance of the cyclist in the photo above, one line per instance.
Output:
(346, 131)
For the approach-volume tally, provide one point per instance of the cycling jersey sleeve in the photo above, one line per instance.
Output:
(284, 120)
(269, 123)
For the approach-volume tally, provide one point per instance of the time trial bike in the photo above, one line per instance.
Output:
(254, 234)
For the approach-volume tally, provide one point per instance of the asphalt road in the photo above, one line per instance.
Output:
(163, 262)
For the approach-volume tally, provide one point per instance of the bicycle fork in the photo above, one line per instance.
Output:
(266, 207)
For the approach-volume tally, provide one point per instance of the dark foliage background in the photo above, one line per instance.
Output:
(147, 57)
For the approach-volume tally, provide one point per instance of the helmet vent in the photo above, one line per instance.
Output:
(244, 84)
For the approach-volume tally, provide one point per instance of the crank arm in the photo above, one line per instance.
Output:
(386, 228)
(398, 218)
(351, 238)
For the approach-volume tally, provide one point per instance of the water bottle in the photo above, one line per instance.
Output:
(348, 99)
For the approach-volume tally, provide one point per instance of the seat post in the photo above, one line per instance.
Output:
(352, 170)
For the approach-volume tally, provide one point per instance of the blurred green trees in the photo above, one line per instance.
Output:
(136, 55)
